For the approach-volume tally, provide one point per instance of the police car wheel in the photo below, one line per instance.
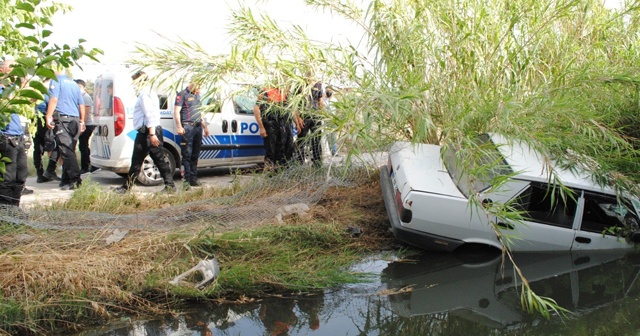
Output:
(149, 173)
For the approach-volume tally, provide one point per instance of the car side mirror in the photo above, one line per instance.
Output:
(635, 236)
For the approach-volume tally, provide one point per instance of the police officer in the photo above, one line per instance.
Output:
(190, 125)
(12, 147)
(146, 119)
(275, 123)
(40, 145)
(15, 175)
(83, 140)
(65, 115)
(311, 132)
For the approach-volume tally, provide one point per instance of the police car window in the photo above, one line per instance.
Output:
(541, 204)
(244, 101)
(212, 104)
(104, 98)
(164, 102)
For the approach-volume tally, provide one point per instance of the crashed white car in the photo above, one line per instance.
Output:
(427, 201)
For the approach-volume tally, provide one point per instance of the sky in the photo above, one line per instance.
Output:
(116, 25)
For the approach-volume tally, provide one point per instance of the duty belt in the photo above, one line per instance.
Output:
(13, 137)
(193, 123)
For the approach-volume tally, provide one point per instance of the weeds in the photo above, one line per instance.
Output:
(52, 283)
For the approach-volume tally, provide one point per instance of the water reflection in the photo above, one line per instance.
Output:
(487, 291)
(436, 293)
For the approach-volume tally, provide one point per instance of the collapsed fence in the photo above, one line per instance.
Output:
(262, 198)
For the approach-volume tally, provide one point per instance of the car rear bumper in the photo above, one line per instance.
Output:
(413, 237)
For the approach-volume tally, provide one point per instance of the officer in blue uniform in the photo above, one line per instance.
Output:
(190, 125)
(65, 115)
(12, 147)
(15, 175)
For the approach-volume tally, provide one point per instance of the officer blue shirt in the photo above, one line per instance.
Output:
(14, 127)
(42, 107)
(68, 94)
(190, 106)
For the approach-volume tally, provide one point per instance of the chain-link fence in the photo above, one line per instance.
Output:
(264, 197)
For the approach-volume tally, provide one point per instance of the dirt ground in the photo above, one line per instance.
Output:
(49, 191)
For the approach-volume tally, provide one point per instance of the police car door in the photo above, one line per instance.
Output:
(216, 148)
(248, 145)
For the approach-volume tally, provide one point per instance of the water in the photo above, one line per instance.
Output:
(435, 294)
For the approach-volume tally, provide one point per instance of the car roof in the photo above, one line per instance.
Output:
(529, 164)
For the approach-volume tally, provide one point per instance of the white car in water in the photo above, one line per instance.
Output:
(427, 202)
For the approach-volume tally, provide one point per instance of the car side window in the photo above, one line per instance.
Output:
(244, 101)
(543, 204)
(603, 212)
(163, 102)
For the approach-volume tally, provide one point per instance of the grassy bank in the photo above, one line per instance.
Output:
(61, 285)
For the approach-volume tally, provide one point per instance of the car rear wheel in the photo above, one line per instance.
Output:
(149, 173)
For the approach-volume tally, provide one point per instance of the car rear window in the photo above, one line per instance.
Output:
(103, 98)
(482, 158)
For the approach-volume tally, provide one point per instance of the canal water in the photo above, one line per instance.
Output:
(434, 294)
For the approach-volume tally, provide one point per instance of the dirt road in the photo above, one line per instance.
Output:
(49, 191)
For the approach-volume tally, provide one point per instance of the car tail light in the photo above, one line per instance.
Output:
(404, 214)
(119, 113)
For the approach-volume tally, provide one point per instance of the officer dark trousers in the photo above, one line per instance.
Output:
(38, 151)
(190, 150)
(66, 132)
(311, 136)
(275, 143)
(16, 171)
(141, 148)
(83, 146)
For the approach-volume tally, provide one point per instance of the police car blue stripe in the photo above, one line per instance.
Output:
(210, 154)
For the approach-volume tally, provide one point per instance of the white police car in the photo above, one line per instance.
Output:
(233, 140)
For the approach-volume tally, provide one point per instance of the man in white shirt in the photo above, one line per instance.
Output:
(146, 119)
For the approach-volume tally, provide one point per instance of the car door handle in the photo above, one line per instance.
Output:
(583, 240)
(506, 226)
(225, 126)
(234, 126)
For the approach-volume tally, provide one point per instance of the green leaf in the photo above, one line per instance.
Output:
(28, 93)
(28, 62)
(19, 101)
(25, 25)
(45, 72)
(19, 72)
(25, 6)
(39, 86)
(49, 59)
(32, 39)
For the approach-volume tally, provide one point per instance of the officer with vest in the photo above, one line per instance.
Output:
(190, 125)
(65, 115)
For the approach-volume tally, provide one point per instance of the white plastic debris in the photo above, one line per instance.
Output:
(299, 209)
(116, 236)
(210, 269)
